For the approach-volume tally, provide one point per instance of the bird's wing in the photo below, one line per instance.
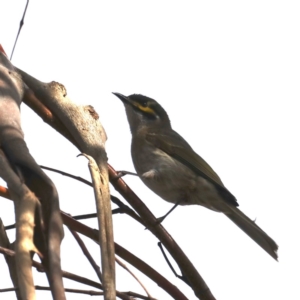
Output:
(174, 145)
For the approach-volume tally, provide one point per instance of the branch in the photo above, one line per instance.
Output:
(183, 278)
(39, 267)
(25, 202)
(46, 288)
(124, 208)
(4, 242)
(188, 270)
(87, 254)
(106, 239)
(25, 210)
(82, 122)
(120, 263)
(196, 281)
(20, 27)
(171, 289)
(129, 257)
(48, 231)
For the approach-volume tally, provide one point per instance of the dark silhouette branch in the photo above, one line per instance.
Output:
(20, 27)
(170, 265)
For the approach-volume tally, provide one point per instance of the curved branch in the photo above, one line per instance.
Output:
(196, 281)
(122, 252)
(187, 268)
(83, 125)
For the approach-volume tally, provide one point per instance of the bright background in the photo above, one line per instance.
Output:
(227, 73)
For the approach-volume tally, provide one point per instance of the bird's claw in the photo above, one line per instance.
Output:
(160, 220)
(121, 174)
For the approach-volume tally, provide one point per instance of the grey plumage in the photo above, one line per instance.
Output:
(169, 166)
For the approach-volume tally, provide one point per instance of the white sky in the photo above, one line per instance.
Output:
(227, 73)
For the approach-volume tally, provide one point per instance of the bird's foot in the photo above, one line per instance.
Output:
(157, 222)
(123, 173)
(160, 220)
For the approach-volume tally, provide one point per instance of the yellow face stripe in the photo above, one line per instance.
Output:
(146, 109)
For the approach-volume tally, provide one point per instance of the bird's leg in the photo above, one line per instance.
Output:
(159, 220)
(182, 277)
(123, 173)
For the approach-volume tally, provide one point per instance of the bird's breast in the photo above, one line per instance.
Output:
(170, 179)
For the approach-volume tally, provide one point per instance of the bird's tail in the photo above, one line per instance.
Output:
(252, 230)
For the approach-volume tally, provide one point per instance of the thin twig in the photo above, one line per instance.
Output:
(68, 175)
(7, 251)
(46, 288)
(8, 227)
(20, 27)
(87, 253)
(85, 216)
(78, 217)
(120, 263)
(183, 278)
(197, 283)
(124, 254)
(39, 267)
(126, 209)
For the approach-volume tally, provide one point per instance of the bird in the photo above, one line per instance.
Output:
(168, 165)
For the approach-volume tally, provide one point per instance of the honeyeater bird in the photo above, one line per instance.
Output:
(169, 166)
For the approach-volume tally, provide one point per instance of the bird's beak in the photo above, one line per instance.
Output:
(123, 98)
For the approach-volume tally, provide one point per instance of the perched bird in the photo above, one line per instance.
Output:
(169, 166)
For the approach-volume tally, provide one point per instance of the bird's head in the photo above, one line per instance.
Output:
(143, 111)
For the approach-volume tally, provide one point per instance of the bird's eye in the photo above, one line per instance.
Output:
(145, 103)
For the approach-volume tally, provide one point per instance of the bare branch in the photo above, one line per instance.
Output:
(124, 208)
(196, 281)
(4, 242)
(46, 288)
(87, 254)
(48, 231)
(120, 263)
(25, 209)
(4, 192)
(74, 277)
(83, 125)
(20, 27)
(183, 278)
(25, 203)
(78, 178)
(129, 257)
(198, 284)
(106, 239)
(124, 254)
